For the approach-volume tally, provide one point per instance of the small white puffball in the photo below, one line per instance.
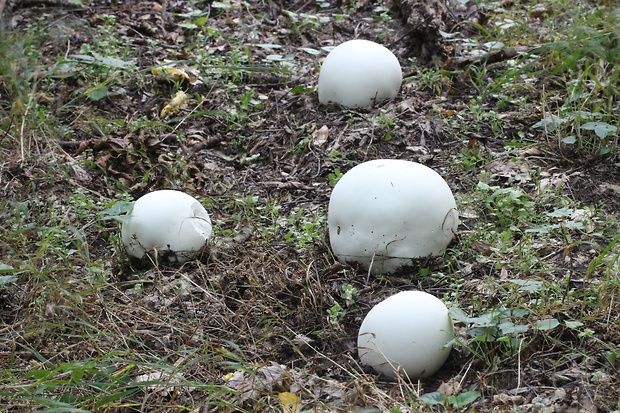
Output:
(408, 332)
(358, 73)
(166, 221)
(386, 212)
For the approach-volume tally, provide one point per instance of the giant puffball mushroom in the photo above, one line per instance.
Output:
(359, 72)
(166, 222)
(384, 213)
(409, 332)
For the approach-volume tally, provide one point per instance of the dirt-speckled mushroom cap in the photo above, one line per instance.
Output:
(165, 221)
(386, 212)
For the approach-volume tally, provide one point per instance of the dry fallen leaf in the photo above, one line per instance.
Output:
(320, 136)
(290, 402)
(175, 104)
(540, 10)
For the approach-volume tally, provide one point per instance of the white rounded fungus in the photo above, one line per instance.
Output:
(358, 73)
(386, 212)
(166, 221)
(409, 332)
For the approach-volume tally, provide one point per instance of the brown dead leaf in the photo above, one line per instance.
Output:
(451, 387)
(320, 136)
(540, 10)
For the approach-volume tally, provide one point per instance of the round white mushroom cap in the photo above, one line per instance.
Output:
(386, 212)
(166, 220)
(358, 73)
(409, 332)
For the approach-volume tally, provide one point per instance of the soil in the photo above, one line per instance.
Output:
(256, 296)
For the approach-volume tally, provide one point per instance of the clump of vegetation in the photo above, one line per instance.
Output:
(99, 106)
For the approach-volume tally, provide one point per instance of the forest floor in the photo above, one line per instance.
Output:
(526, 139)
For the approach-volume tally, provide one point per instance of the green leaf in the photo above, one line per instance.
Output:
(6, 268)
(569, 140)
(112, 62)
(463, 399)
(98, 92)
(601, 129)
(118, 211)
(5, 279)
(433, 398)
(549, 123)
(561, 212)
(509, 327)
(527, 285)
(573, 324)
(310, 50)
(459, 315)
(221, 5)
(547, 324)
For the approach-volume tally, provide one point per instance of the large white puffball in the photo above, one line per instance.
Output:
(166, 221)
(386, 212)
(408, 332)
(358, 73)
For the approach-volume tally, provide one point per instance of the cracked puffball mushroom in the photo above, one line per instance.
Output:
(358, 73)
(384, 213)
(166, 222)
(410, 332)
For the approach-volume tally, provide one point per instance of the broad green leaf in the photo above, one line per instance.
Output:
(560, 212)
(98, 92)
(547, 324)
(433, 398)
(114, 62)
(569, 140)
(6, 268)
(527, 285)
(459, 315)
(5, 279)
(601, 129)
(509, 327)
(573, 324)
(463, 399)
(549, 122)
(118, 211)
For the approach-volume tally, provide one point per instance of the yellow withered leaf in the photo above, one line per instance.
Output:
(175, 104)
(290, 402)
(171, 72)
